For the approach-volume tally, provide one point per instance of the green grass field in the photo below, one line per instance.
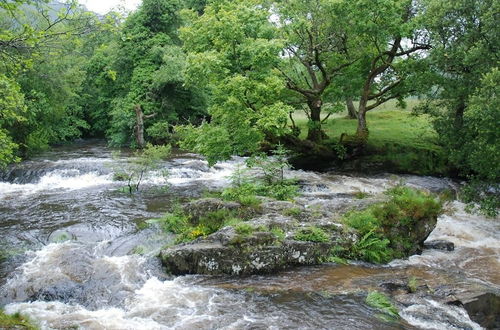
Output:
(406, 141)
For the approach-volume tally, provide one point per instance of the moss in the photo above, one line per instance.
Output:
(15, 321)
(381, 302)
(312, 234)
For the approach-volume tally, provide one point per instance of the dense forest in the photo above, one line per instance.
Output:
(225, 78)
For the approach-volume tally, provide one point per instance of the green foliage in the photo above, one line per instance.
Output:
(244, 229)
(372, 249)
(361, 195)
(482, 197)
(381, 302)
(273, 168)
(232, 53)
(311, 234)
(279, 233)
(385, 229)
(462, 84)
(133, 170)
(413, 284)
(293, 211)
(245, 189)
(182, 224)
(176, 222)
(15, 321)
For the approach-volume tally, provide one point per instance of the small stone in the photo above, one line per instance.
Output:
(439, 245)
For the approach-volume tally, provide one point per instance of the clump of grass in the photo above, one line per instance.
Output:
(293, 211)
(187, 229)
(279, 233)
(381, 302)
(413, 284)
(311, 234)
(15, 321)
(361, 195)
(244, 229)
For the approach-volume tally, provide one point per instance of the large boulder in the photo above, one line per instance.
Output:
(215, 258)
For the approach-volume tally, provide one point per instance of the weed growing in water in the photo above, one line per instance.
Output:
(381, 302)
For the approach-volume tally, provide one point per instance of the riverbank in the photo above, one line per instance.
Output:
(399, 142)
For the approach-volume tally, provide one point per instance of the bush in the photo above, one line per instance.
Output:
(182, 225)
(371, 248)
(312, 234)
(387, 229)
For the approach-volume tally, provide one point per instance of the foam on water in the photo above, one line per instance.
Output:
(477, 246)
(58, 179)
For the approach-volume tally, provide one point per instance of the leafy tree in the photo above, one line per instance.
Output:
(149, 64)
(316, 52)
(232, 51)
(462, 79)
(388, 42)
(39, 74)
(12, 111)
(134, 169)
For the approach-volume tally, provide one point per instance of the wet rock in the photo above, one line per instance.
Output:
(279, 206)
(250, 256)
(65, 292)
(395, 287)
(197, 165)
(439, 245)
(200, 207)
(484, 309)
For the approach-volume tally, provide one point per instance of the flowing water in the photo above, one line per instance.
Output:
(69, 245)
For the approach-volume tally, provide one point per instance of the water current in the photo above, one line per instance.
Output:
(70, 243)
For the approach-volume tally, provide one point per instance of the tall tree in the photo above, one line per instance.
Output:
(149, 64)
(316, 51)
(390, 45)
(232, 52)
(466, 46)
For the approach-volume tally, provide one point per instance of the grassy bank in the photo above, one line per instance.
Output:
(398, 141)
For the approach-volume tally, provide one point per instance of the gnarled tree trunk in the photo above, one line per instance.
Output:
(315, 133)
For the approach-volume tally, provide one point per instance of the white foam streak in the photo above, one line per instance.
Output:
(58, 179)
(157, 305)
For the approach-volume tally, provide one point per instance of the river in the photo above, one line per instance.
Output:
(75, 253)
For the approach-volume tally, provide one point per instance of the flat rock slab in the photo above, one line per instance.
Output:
(213, 258)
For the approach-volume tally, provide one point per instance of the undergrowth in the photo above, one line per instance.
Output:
(386, 230)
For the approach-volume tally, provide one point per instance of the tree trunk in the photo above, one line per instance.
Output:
(459, 116)
(315, 133)
(351, 109)
(139, 127)
(362, 130)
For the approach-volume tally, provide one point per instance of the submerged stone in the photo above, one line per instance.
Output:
(439, 245)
